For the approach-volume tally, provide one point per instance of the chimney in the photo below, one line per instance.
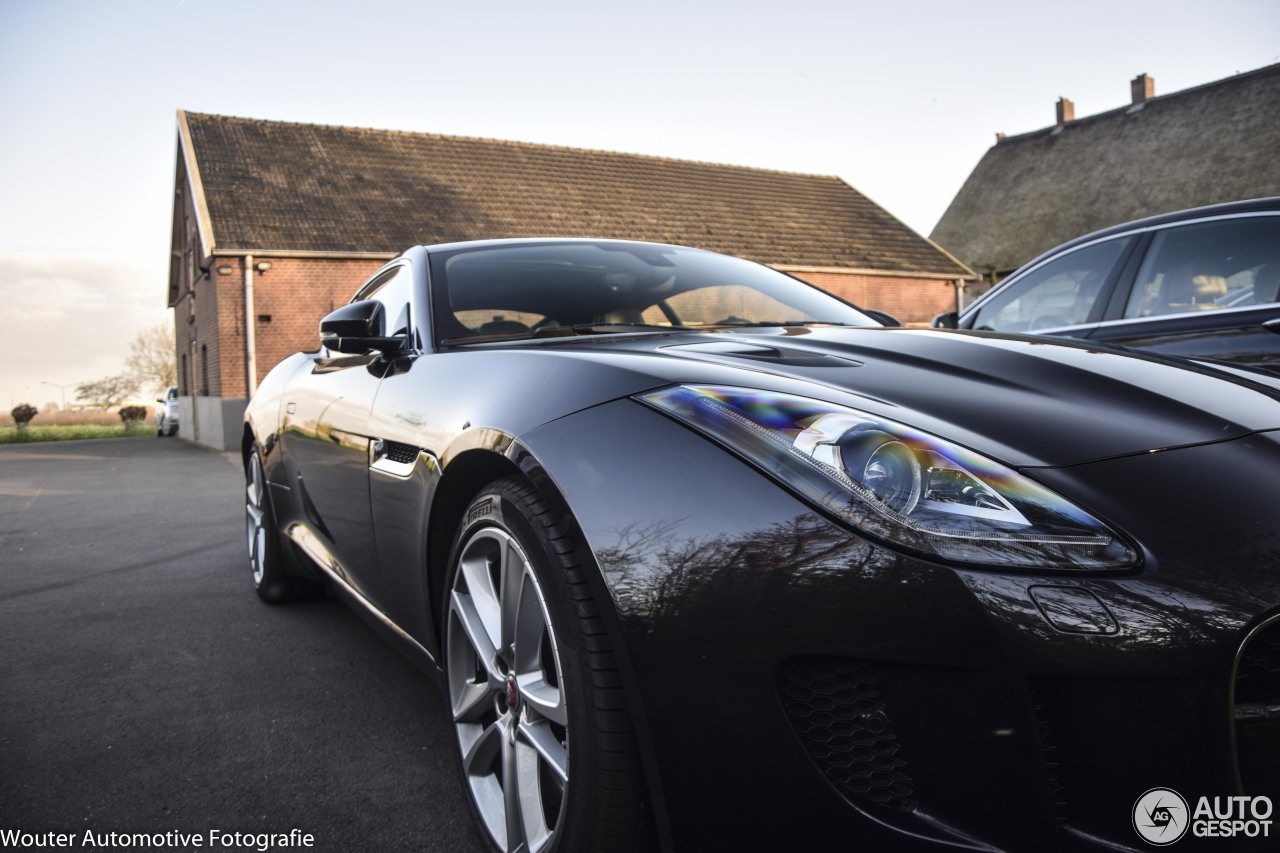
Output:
(1066, 111)
(1142, 88)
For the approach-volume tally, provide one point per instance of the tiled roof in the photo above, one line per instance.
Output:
(281, 186)
(1214, 143)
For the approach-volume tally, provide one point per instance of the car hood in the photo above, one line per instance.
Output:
(1027, 401)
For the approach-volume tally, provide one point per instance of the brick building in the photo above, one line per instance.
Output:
(275, 224)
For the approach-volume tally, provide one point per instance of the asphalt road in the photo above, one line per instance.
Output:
(145, 688)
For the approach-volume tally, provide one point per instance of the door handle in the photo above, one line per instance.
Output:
(1272, 325)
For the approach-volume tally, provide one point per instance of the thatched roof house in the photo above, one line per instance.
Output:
(1212, 143)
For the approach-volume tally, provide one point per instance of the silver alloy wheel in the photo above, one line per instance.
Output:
(505, 687)
(255, 528)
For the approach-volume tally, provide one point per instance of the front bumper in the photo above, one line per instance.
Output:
(797, 685)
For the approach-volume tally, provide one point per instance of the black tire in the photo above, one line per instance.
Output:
(568, 674)
(267, 563)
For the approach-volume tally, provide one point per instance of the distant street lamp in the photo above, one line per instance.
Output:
(62, 388)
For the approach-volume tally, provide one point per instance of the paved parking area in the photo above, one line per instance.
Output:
(145, 688)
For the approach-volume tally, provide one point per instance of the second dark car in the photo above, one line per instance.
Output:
(1202, 283)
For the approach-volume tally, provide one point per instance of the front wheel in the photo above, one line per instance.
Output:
(270, 578)
(546, 745)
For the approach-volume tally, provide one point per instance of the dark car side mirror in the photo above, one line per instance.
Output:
(946, 320)
(357, 328)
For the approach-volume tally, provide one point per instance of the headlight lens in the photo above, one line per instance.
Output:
(898, 484)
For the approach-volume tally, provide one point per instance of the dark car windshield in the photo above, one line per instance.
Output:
(551, 289)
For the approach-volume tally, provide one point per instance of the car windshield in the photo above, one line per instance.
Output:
(525, 290)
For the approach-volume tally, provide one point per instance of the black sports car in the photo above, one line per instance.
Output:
(705, 559)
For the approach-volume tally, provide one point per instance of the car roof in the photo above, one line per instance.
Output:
(533, 241)
(1256, 205)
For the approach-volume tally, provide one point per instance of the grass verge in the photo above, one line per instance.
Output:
(71, 432)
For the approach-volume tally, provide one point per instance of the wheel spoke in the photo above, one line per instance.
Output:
(478, 760)
(532, 670)
(255, 519)
(478, 763)
(511, 793)
(512, 573)
(472, 701)
(532, 808)
(464, 610)
(546, 699)
(486, 605)
(538, 735)
(254, 486)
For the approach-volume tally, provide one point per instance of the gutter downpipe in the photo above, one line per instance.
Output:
(193, 377)
(250, 345)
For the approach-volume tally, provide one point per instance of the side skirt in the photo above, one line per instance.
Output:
(336, 579)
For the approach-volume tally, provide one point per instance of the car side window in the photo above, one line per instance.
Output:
(1061, 292)
(393, 291)
(1208, 266)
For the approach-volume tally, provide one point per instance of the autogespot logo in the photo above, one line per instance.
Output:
(1160, 816)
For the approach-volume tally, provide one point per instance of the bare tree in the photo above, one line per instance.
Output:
(108, 391)
(151, 358)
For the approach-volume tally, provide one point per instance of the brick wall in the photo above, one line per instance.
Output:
(195, 320)
(292, 297)
(911, 300)
(288, 302)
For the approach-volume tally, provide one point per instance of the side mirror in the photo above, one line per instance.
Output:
(357, 328)
(948, 320)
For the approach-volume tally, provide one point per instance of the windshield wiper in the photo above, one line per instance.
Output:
(558, 332)
(600, 328)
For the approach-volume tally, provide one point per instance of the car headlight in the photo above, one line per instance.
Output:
(899, 484)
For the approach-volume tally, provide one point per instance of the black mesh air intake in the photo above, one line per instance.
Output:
(1257, 713)
(402, 453)
(836, 709)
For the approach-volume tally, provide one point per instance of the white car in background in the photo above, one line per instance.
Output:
(167, 412)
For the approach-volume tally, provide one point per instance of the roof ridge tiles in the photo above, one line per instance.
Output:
(345, 186)
(1128, 108)
(515, 143)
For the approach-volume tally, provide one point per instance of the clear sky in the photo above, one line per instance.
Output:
(899, 100)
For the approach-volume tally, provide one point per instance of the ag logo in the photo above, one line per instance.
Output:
(1160, 816)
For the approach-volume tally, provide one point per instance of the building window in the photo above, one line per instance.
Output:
(186, 379)
(204, 370)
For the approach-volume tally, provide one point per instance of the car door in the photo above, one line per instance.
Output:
(1065, 294)
(326, 441)
(1204, 289)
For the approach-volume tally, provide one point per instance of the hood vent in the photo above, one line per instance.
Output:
(730, 352)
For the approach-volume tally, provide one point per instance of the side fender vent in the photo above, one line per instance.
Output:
(404, 454)
(394, 458)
